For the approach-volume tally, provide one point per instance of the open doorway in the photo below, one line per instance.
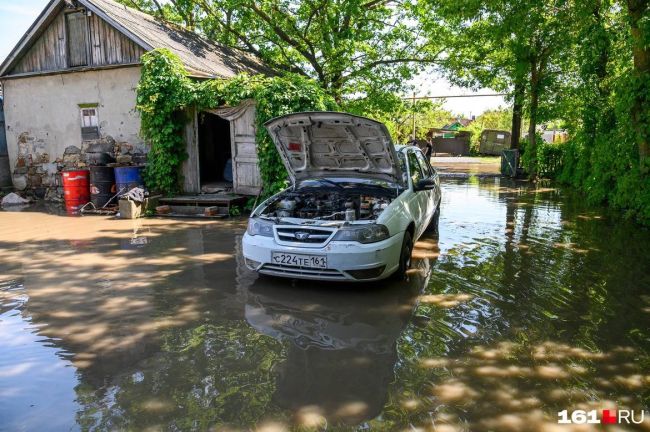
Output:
(215, 153)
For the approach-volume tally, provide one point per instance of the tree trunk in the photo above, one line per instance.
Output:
(637, 11)
(532, 136)
(517, 108)
(594, 116)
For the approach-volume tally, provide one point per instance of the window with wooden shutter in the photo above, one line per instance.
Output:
(77, 39)
(89, 124)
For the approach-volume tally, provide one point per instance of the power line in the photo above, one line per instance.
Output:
(453, 96)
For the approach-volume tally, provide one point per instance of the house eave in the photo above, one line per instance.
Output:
(67, 71)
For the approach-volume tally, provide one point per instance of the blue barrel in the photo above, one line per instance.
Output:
(126, 178)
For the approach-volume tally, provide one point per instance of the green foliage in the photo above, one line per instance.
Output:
(583, 64)
(397, 114)
(165, 93)
(349, 47)
(604, 158)
(545, 159)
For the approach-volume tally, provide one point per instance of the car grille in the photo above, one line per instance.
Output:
(307, 236)
(290, 271)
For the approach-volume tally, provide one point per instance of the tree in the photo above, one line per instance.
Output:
(398, 114)
(351, 47)
(509, 46)
(638, 12)
(609, 112)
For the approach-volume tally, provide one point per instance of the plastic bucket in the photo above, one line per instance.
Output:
(102, 185)
(126, 178)
(76, 189)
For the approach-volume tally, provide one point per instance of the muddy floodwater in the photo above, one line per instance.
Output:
(526, 304)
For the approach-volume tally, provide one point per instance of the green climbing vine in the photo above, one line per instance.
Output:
(165, 93)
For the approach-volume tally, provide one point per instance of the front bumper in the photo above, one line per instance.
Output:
(346, 261)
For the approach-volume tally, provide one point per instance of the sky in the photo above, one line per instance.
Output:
(17, 15)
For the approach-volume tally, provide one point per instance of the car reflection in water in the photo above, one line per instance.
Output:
(341, 340)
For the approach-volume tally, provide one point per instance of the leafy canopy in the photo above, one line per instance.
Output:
(350, 47)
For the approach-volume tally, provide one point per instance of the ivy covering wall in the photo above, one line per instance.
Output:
(165, 92)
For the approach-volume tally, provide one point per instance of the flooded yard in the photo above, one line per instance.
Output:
(526, 304)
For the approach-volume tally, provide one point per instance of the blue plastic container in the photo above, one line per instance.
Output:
(227, 171)
(127, 178)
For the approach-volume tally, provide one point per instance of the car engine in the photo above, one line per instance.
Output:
(344, 206)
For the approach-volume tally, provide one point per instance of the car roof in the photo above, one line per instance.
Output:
(404, 147)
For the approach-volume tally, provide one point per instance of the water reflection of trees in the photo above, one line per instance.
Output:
(540, 326)
(300, 357)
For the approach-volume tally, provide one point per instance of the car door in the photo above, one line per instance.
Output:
(418, 203)
(432, 194)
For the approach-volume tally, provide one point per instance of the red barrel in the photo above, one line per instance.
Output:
(76, 189)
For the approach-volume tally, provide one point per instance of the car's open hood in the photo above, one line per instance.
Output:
(332, 144)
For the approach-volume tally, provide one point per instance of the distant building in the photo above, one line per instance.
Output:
(449, 142)
(457, 124)
(555, 135)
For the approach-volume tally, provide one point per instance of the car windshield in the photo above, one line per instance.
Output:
(402, 166)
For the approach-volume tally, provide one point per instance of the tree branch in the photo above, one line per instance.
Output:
(288, 39)
(250, 46)
(160, 9)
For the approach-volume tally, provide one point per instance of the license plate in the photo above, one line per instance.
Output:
(299, 260)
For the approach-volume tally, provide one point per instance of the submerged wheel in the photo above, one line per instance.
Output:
(435, 219)
(405, 256)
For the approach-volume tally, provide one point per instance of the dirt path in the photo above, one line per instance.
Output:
(460, 166)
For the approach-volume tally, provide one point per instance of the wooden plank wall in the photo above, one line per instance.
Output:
(107, 46)
(48, 52)
(78, 32)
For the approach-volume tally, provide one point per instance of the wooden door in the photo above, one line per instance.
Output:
(77, 39)
(246, 171)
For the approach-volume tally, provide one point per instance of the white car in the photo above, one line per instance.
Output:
(356, 205)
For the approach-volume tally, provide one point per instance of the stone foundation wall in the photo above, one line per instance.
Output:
(38, 174)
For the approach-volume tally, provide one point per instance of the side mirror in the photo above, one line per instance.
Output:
(425, 184)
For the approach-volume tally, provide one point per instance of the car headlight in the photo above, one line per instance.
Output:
(362, 233)
(260, 227)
